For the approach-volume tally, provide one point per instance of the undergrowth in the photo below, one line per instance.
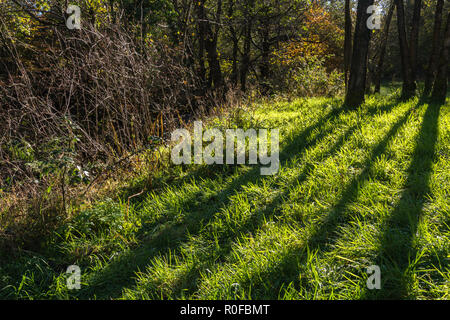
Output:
(355, 189)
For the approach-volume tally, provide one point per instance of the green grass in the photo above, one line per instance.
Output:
(355, 188)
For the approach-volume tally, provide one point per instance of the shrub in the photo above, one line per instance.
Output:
(309, 77)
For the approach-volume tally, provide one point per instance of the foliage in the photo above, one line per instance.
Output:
(357, 187)
(307, 76)
(349, 193)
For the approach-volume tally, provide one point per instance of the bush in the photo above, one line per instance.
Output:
(98, 90)
(308, 77)
(105, 217)
(77, 101)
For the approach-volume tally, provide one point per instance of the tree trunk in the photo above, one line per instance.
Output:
(215, 71)
(440, 85)
(358, 68)
(347, 42)
(264, 65)
(247, 46)
(384, 41)
(414, 36)
(208, 42)
(234, 72)
(201, 41)
(432, 65)
(245, 58)
(369, 74)
(409, 85)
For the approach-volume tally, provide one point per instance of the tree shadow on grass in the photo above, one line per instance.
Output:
(120, 273)
(255, 220)
(270, 210)
(109, 282)
(324, 235)
(397, 250)
(297, 145)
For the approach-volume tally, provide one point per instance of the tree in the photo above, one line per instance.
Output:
(200, 9)
(414, 36)
(245, 64)
(409, 85)
(207, 41)
(433, 62)
(358, 68)
(347, 41)
(384, 41)
(440, 84)
(233, 36)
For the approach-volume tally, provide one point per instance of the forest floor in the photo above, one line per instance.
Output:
(355, 189)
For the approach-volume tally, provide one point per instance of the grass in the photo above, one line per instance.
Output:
(355, 189)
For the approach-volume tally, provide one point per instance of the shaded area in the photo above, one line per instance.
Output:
(200, 210)
(173, 234)
(397, 248)
(324, 234)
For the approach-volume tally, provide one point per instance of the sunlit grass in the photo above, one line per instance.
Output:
(355, 188)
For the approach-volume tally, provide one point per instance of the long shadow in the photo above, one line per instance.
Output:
(212, 171)
(324, 232)
(123, 269)
(323, 235)
(397, 243)
(257, 218)
(297, 145)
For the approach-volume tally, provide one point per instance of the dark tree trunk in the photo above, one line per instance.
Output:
(384, 41)
(265, 63)
(347, 41)
(414, 36)
(245, 58)
(208, 42)
(432, 65)
(358, 68)
(369, 74)
(234, 73)
(201, 41)
(215, 73)
(440, 84)
(247, 45)
(409, 85)
(235, 40)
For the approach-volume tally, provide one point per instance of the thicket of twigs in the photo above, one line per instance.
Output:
(78, 98)
(76, 105)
